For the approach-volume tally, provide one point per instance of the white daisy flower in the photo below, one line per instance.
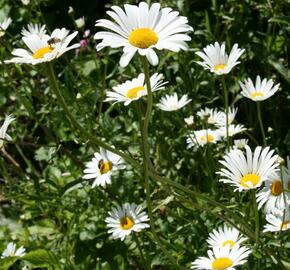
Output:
(33, 29)
(277, 222)
(260, 91)
(4, 25)
(189, 120)
(249, 170)
(217, 60)
(3, 130)
(232, 130)
(231, 117)
(202, 137)
(142, 29)
(222, 258)
(11, 251)
(212, 116)
(272, 195)
(240, 143)
(225, 236)
(171, 102)
(124, 219)
(134, 89)
(45, 48)
(101, 167)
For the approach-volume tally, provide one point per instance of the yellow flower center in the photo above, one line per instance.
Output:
(132, 93)
(228, 242)
(208, 138)
(222, 263)
(143, 38)
(105, 166)
(126, 223)
(41, 52)
(276, 188)
(252, 178)
(220, 67)
(256, 94)
(285, 224)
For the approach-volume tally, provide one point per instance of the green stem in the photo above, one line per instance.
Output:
(93, 139)
(227, 111)
(205, 198)
(144, 262)
(256, 212)
(261, 123)
(146, 160)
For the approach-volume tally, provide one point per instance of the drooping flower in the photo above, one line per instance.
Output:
(217, 60)
(3, 130)
(142, 29)
(34, 29)
(232, 130)
(80, 22)
(189, 120)
(222, 258)
(133, 90)
(260, 91)
(240, 143)
(4, 25)
(202, 137)
(211, 116)
(11, 251)
(122, 220)
(44, 48)
(272, 196)
(249, 170)
(101, 167)
(231, 117)
(25, 2)
(225, 236)
(279, 221)
(172, 103)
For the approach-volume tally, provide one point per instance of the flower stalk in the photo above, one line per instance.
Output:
(261, 123)
(146, 160)
(226, 98)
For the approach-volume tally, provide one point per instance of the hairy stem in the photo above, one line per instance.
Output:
(261, 123)
(227, 110)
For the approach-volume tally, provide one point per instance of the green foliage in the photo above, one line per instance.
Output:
(49, 209)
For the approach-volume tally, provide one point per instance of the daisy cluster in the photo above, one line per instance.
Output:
(256, 170)
(227, 250)
(215, 121)
(260, 171)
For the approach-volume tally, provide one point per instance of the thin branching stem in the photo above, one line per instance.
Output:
(93, 138)
(146, 161)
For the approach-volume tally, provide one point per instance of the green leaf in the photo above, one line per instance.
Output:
(41, 258)
(7, 262)
(281, 69)
(280, 19)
